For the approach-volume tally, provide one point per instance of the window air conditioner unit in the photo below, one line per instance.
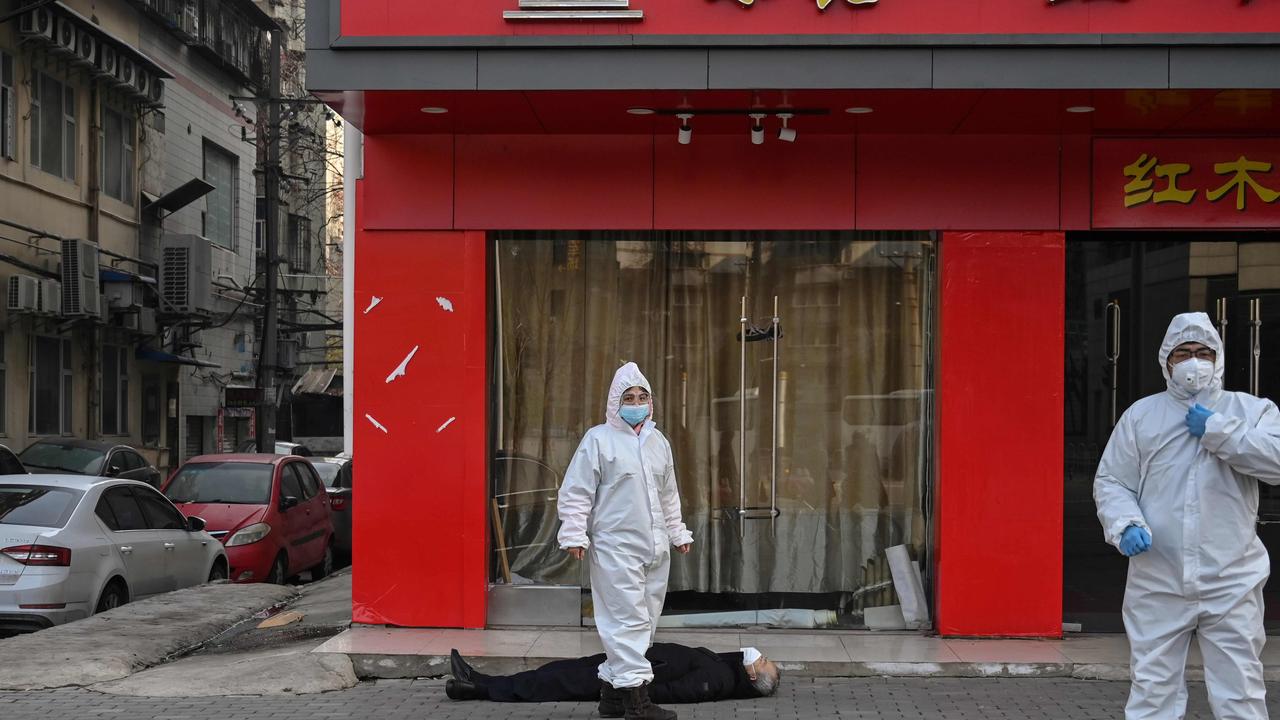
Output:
(37, 23)
(50, 302)
(121, 295)
(185, 274)
(86, 49)
(142, 82)
(24, 293)
(155, 93)
(64, 40)
(142, 322)
(126, 70)
(108, 60)
(81, 294)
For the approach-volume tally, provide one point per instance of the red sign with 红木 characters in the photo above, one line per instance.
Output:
(1186, 183)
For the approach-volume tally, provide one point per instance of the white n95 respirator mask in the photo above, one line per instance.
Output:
(1193, 375)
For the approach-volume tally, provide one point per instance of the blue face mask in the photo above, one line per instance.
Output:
(633, 414)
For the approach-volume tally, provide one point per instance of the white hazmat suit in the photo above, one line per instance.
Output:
(620, 501)
(1198, 498)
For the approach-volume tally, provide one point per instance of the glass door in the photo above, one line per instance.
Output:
(791, 376)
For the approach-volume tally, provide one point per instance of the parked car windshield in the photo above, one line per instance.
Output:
(234, 483)
(39, 505)
(63, 458)
(328, 473)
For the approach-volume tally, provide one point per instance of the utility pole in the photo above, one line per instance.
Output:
(266, 379)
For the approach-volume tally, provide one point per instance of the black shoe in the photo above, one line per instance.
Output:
(637, 706)
(610, 701)
(458, 689)
(461, 670)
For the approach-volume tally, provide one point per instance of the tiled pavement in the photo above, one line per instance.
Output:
(798, 699)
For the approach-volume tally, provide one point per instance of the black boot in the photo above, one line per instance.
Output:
(461, 670)
(610, 701)
(459, 689)
(637, 706)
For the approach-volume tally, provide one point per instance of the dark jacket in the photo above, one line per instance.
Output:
(681, 674)
(689, 675)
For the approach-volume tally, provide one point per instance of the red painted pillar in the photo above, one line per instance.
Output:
(421, 407)
(1000, 393)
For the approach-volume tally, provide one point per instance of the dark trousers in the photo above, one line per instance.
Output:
(559, 681)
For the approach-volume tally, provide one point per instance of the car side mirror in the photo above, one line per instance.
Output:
(114, 470)
(288, 501)
(195, 524)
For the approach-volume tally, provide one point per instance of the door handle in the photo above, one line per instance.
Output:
(1113, 353)
(168, 546)
(126, 549)
(1255, 344)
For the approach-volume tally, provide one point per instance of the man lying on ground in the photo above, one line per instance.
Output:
(681, 675)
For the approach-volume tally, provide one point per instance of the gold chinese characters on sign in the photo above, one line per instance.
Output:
(1142, 188)
(822, 4)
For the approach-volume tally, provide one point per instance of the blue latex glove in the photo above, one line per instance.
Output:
(1134, 541)
(1196, 418)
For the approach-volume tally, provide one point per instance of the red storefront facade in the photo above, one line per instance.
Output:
(996, 127)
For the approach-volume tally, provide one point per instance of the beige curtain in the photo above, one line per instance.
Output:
(852, 394)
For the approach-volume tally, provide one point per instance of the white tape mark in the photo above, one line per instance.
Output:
(446, 424)
(403, 367)
(445, 304)
(373, 303)
(376, 424)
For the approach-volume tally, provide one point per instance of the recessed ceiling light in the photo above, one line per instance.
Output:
(435, 110)
(640, 111)
(858, 110)
(1080, 109)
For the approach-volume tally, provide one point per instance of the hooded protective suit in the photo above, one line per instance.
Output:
(619, 499)
(1198, 498)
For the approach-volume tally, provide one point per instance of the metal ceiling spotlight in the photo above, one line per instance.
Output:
(786, 134)
(757, 128)
(685, 135)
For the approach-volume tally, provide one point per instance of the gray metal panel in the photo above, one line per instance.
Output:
(535, 605)
(1051, 68)
(1236, 68)
(814, 41)
(621, 69)
(828, 68)
(399, 70)
(318, 24)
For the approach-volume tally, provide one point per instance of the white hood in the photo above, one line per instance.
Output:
(1192, 327)
(627, 376)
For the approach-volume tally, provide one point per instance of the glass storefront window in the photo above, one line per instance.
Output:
(1122, 290)
(837, 431)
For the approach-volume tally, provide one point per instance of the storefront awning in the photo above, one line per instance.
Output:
(167, 357)
(318, 381)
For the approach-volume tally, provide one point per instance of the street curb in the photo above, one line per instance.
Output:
(388, 667)
(117, 643)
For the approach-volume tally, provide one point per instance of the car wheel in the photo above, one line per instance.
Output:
(279, 570)
(325, 568)
(219, 571)
(113, 596)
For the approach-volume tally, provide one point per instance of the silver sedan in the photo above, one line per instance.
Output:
(72, 545)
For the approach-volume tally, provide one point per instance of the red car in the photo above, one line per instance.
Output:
(270, 511)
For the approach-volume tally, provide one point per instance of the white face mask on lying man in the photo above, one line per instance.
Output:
(749, 655)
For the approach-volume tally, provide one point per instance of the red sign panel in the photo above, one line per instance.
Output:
(1227, 183)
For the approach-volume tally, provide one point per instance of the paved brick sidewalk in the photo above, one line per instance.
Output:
(890, 698)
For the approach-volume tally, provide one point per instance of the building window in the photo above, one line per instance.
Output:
(53, 126)
(8, 112)
(260, 226)
(118, 156)
(4, 385)
(299, 243)
(115, 390)
(219, 221)
(49, 363)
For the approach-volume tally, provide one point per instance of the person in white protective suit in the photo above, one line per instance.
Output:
(1177, 492)
(619, 505)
